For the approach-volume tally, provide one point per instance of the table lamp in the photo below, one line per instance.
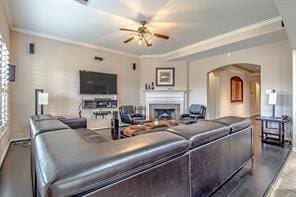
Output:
(41, 99)
(272, 101)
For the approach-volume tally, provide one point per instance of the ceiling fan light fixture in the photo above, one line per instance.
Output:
(145, 34)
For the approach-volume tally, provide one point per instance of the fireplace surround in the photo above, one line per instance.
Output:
(160, 100)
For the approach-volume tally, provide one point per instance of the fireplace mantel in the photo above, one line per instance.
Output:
(165, 97)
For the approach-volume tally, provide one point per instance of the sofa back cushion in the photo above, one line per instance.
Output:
(42, 117)
(234, 123)
(43, 126)
(201, 132)
(68, 164)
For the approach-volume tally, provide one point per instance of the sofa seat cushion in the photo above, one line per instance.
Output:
(68, 164)
(201, 132)
(234, 123)
(38, 127)
(42, 117)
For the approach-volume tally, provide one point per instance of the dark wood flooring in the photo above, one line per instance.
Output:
(15, 179)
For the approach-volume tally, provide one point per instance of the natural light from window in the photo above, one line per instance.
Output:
(4, 58)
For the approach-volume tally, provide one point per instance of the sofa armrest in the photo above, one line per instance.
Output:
(126, 118)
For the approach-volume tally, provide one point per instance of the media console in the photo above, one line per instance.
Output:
(99, 103)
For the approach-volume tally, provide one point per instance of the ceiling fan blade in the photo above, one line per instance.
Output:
(161, 36)
(123, 29)
(147, 43)
(128, 40)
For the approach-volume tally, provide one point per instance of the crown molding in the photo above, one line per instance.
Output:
(7, 13)
(214, 42)
(65, 40)
(211, 42)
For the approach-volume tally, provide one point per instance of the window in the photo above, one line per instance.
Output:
(4, 57)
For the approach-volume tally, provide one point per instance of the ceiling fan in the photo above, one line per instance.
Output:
(144, 34)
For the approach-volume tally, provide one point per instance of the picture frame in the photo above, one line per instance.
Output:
(236, 90)
(165, 76)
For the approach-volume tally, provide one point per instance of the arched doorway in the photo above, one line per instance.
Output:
(234, 90)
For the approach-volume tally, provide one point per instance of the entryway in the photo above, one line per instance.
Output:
(234, 90)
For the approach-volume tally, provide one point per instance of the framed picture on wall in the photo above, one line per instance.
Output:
(236, 89)
(165, 76)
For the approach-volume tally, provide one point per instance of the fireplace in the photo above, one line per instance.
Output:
(164, 114)
(164, 111)
(166, 103)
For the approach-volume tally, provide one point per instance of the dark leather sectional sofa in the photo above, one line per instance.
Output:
(191, 160)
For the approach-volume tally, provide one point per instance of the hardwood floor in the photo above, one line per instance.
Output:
(268, 160)
(15, 179)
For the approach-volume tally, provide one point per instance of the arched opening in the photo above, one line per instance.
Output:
(234, 90)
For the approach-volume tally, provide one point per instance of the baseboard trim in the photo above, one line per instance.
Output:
(20, 139)
(4, 155)
(2, 159)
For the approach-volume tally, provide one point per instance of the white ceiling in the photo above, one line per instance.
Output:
(185, 21)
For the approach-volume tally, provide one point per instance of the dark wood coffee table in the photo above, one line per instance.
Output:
(112, 134)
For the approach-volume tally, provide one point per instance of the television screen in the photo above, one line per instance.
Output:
(97, 83)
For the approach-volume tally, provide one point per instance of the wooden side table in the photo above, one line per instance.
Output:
(272, 135)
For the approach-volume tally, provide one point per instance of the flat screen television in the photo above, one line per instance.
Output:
(97, 83)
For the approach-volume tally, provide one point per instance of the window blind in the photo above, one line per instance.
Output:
(4, 59)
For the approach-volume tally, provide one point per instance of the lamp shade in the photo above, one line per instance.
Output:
(272, 98)
(42, 98)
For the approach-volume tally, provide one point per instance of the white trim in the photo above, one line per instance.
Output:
(164, 97)
(7, 13)
(4, 154)
(228, 34)
(2, 158)
(294, 99)
(20, 139)
(212, 40)
(65, 40)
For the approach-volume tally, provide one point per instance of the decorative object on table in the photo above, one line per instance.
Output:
(196, 111)
(41, 99)
(236, 89)
(149, 87)
(272, 98)
(146, 86)
(129, 131)
(152, 85)
(165, 76)
(155, 124)
(115, 121)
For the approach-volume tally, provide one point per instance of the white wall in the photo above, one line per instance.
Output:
(4, 27)
(294, 99)
(54, 67)
(276, 72)
(213, 95)
(219, 102)
(5, 33)
(148, 74)
(226, 107)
